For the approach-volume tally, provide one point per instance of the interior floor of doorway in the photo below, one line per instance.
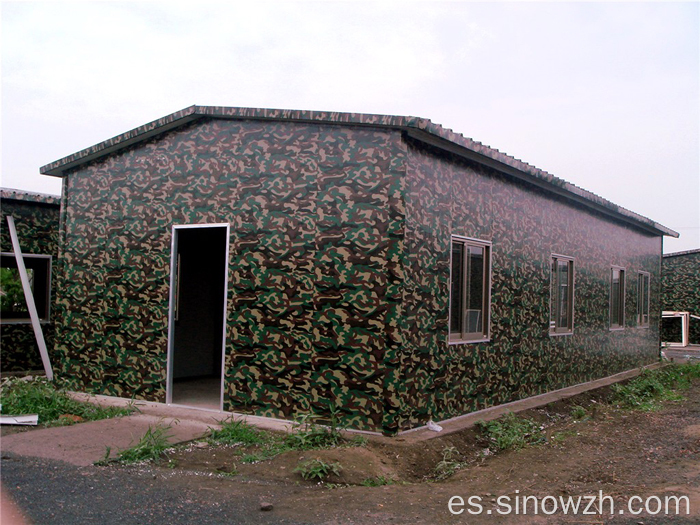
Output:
(200, 392)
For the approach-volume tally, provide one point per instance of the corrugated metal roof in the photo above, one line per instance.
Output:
(29, 196)
(687, 252)
(419, 128)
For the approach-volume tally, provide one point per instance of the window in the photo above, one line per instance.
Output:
(643, 299)
(13, 307)
(470, 290)
(561, 307)
(617, 298)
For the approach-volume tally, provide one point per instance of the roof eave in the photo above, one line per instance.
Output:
(685, 252)
(124, 140)
(420, 129)
(12, 194)
(542, 180)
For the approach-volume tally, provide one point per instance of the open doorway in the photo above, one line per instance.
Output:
(196, 336)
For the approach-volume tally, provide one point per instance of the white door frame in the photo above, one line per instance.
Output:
(171, 311)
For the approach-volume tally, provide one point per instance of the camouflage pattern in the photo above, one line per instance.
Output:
(450, 196)
(36, 220)
(338, 268)
(314, 284)
(681, 292)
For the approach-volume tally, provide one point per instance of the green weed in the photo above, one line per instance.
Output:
(358, 440)
(227, 472)
(318, 469)
(559, 437)
(253, 458)
(448, 465)
(149, 448)
(267, 445)
(511, 432)
(307, 435)
(332, 486)
(237, 433)
(377, 482)
(651, 387)
(44, 398)
(579, 413)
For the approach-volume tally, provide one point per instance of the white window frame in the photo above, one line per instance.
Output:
(485, 334)
(554, 302)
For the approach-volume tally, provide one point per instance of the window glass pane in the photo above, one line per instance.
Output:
(643, 298)
(456, 288)
(563, 292)
(469, 290)
(474, 318)
(645, 303)
(640, 299)
(615, 298)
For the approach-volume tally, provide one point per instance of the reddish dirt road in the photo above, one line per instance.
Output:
(619, 452)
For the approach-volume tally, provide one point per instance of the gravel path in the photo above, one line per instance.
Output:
(53, 492)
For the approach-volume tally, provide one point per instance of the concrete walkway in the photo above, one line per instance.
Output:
(683, 354)
(84, 443)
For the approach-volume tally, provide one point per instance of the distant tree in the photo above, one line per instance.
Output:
(11, 293)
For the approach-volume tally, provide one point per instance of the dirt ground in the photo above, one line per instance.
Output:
(619, 452)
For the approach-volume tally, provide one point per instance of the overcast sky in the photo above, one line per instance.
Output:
(605, 95)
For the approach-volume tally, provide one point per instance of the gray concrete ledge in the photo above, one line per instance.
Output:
(459, 423)
(203, 415)
(422, 433)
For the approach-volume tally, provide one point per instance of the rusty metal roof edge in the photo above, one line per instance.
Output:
(194, 112)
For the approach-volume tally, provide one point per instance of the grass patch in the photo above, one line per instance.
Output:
(558, 438)
(579, 413)
(510, 432)
(651, 387)
(237, 433)
(318, 469)
(149, 448)
(307, 435)
(254, 458)
(358, 441)
(379, 481)
(46, 399)
(263, 445)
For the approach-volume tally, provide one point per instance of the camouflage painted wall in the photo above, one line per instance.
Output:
(681, 290)
(37, 222)
(314, 268)
(338, 273)
(450, 196)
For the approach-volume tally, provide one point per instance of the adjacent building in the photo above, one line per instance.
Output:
(681, 293)
(36, 219)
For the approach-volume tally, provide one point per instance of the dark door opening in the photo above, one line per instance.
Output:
(197, 313)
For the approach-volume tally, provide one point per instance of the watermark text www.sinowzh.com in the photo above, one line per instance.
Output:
(521, 505)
